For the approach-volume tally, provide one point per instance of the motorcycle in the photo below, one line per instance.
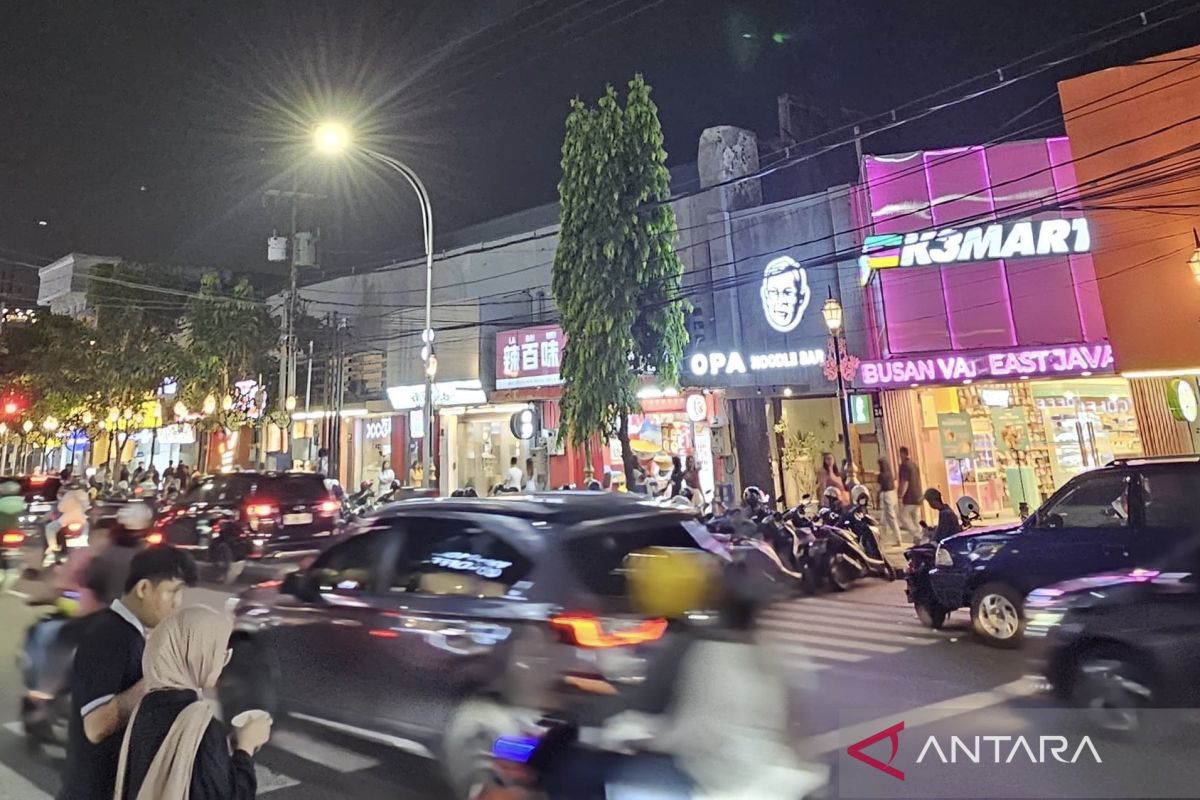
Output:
(749, 534)
(45, 660)
(851, 547)
(919, 590)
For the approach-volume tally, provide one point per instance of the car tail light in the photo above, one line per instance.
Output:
(586, 630)
(154, 537)
(12, 538)
(261, 510)
(327, 508)
(74, 529)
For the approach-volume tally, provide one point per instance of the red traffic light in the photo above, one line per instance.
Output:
(11, 407)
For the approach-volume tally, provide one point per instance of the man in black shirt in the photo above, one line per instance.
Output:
(106, 680)
(947, 524)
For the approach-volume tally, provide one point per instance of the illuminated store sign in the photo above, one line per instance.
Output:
(785, 293)
(999, 240)
(733, 363)
(1071, 359)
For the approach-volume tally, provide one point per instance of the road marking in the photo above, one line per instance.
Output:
(847, 617)
(829, 742)
(894, 637)
(818, 604)
(831, 641)
(817, 652)
(850, 621)
(268, 780)
(398, 742)
(324, 753)
(17, 728)
(14, 786)
(15, 593)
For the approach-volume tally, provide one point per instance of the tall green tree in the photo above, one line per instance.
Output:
(230, 336)
(616, 276)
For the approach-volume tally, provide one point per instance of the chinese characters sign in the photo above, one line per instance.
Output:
(529, 357)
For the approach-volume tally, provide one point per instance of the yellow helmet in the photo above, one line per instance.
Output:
(670, 581)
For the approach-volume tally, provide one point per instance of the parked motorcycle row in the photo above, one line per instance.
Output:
(830, 547)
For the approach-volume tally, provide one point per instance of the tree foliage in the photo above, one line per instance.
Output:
(230, 336)
(616, 276)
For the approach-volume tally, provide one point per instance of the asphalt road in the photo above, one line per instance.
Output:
(856, 662)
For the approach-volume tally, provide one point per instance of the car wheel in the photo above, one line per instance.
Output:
(997, 616)
(931, 615)
(249, 680)
(1114, 689)
(467, 745)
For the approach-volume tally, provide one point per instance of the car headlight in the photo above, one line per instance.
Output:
(985, 550)
(942, 557)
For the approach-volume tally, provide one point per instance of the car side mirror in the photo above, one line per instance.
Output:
(298, 584)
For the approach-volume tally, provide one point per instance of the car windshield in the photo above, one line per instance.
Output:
(221, 489)
(599, 559)
(294, 488)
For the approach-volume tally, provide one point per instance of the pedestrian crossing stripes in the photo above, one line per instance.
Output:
(816, 633)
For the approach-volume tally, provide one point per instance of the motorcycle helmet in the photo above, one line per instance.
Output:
(362, 487)
(753, 497)
(831, 495)
(457, 493)
(594, 486)
(135, 516)
(669, 581)
(470, 492)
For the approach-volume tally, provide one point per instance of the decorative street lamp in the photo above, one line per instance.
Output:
(27, 425)
(181, 409)
(50, 424)
(334, 138)
(832, 312)
(210, 405)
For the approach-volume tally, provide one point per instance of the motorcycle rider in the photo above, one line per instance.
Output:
(948, 523)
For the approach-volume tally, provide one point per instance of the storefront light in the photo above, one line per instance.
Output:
(832, 312)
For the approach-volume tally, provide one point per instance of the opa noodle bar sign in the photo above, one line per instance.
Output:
(1068, 359)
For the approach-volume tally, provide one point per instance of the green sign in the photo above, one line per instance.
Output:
(860, 409)
(1011, 426)
(1181, 399)
(958, 441)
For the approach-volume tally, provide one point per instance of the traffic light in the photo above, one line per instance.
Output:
(13, 406)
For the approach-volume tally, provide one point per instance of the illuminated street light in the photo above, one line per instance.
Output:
(210, 405)
(181, 410)
(290, 403)
(127, 414)
(331, 138)
(334, 138)
(27, 425)
(832, 312)
(87, 418)
(114, 414)
(50, 424)
(226, 403)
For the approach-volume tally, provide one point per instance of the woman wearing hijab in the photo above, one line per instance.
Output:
(174, 748)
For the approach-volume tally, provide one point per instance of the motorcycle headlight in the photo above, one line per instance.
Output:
(942, 558)
(984, 551)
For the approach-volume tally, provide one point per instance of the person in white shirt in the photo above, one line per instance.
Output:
(386, 477)
(514, 476)
(531, 485)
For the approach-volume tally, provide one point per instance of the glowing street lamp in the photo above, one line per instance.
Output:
(50, 424)
(210, 405)
(289, 404)
(832, 312)
(181, 410)
(226, 403)
(334, 138)
(331, 138)
(27, 425)
(87, 418)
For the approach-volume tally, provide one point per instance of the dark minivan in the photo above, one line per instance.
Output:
(439, 624)
(1127, 514)
(251, 515)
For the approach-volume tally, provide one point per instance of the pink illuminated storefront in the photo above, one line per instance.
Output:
(989, 345)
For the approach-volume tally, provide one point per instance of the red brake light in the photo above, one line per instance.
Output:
(154, 537)
(585, 630)
(37, 480)
(261, 510)
(13, 537)
(327, 508)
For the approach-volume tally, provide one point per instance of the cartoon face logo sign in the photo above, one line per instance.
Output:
(785, 293)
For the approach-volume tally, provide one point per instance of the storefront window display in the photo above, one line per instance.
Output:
(1011, 445)
(484, 450)
(375, 448)
(667, 429)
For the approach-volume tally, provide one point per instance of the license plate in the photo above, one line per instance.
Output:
(297, 519)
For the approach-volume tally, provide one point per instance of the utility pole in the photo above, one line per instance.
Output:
(289, 360)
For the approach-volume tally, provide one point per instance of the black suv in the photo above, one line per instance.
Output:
(41, 497)
(1127, 514)
(251, 515)
(440, 624)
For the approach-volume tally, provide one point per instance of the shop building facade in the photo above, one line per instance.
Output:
(1133, 129)
(989, 348)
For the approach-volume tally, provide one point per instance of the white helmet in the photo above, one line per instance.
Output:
(135, 516)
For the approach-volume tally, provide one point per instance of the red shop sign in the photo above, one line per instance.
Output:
(529, 357)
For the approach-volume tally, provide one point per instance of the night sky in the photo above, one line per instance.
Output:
(149, 130)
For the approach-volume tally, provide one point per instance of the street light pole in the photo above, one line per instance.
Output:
(332, 138)
(427, 335)
(832, 312)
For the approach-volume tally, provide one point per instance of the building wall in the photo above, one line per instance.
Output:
(1132, 131)
(985, 304)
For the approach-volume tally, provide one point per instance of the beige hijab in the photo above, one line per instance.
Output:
(187, 651)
